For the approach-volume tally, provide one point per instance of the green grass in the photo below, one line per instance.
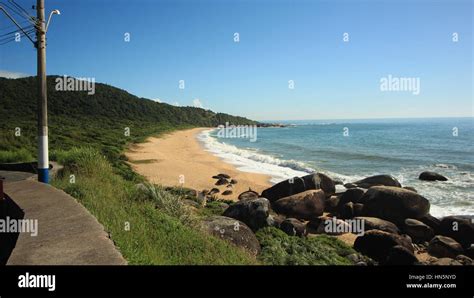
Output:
(280, 249)
(19, 155)
(155, 236)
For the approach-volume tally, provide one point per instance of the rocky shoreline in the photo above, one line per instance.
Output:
(391, 222)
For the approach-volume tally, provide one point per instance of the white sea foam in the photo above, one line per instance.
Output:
(250, 161)
(452, 197)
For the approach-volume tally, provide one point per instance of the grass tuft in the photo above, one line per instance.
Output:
(280, 249)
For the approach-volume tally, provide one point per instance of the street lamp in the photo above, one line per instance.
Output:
(56, 11)
(40, 45)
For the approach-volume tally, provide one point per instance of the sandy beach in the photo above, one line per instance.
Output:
(163, 160)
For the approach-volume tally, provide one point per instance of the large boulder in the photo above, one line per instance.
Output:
(432, 222)
(377, 244)
(307, 205)
(297, 185)
(293, 227)
(316, 226)
(234, 231)
(248, 195)
(394, 204)
(444, 247)
(417, 230)
(384, 180)
(331, 203)
(432, 176)
(400, 255)
(331, 226)
(459, 228)
(346, 211)
(358, 207)
(253, 212)
(373, 223)
(351, 195)
(321, 181)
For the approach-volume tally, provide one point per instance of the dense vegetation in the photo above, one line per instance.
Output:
(148, 224)
(101, 120)
(280, 249)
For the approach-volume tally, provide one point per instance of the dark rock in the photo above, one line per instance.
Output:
(214, 191)
(351, 195)
(432, 176)
(465, 260)
(470, 252)
(320, 181)
(313, 226)
(459, 228)
(373, 223)
(347, 211)
(417, 230)
(293, 227)
(330, 205)
(222, 175)
(383, 180)
(277, 219)
(253, 212)
(400, 255)
(308, 205)
(284, 189)
(227, 192)
(338, 182)
(394, 204)
(297, 185)
(432, 222)
(233, 181)
(377, 244)
(234, 231)
(358, 207)
(248, 195)
(331, 226)
(350, 185)
(221, 181)
(216, 177)
(442, 246)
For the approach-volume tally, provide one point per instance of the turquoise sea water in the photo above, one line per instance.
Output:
(352, 149)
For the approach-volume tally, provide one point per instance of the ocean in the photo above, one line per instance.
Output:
(349, 150)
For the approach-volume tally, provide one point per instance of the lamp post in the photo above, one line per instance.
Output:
(40, 44)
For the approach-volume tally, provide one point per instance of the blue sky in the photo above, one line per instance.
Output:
(193, 40)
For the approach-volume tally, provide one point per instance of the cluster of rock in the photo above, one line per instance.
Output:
(223, 180)
(398, 229)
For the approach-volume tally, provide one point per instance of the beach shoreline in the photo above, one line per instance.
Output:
(179, 159)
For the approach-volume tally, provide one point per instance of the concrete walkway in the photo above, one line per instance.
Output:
(67, 233)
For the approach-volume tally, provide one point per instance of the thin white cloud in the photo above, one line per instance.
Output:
(176, 104)
(157, 100)
(197, 103)
(12, 74)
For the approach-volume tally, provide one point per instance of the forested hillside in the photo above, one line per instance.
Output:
(107, 120)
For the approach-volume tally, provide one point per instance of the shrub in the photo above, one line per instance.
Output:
(280, 249)
(19, 155)
(169, 203)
